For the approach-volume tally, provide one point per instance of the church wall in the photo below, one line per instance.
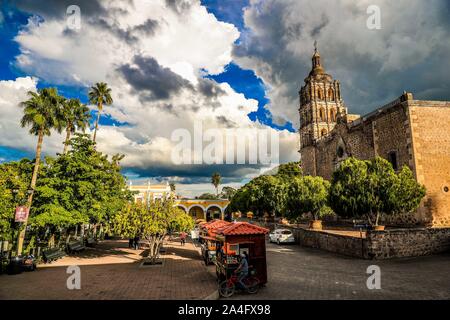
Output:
(308, 160)
(431, 142)
(359, 141)
(325, 155)
(392, 134)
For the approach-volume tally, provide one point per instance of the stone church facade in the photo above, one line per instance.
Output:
(405, 132)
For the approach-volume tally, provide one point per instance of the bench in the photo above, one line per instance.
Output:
(52, 254)
(90, 242)
(75, 246)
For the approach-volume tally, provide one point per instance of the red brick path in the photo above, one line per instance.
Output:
(112, 271)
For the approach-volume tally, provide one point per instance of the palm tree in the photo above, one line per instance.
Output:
(215, 180)
(41, 115)
(74, 115)
(100, 95)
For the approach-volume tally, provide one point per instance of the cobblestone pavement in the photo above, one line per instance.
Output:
(113, 271)
(296, 272)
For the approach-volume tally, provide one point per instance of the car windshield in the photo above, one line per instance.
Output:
(285, 232)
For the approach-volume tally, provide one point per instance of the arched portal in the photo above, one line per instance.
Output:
(197, 212)
(213, 212)
(182, 207)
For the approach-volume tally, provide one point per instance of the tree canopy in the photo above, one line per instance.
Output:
(152, 223)
(82, 186)
(371, 187)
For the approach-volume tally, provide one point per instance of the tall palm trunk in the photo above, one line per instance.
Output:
(100, 107)
(32, 186)
(66, 143)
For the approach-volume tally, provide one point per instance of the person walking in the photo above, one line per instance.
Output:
(183, 236)
(136, 243)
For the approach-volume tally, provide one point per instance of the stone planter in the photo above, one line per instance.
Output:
(378, 228)
(316, 224)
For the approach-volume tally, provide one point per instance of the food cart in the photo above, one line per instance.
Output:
(207, 239)
(235, 239)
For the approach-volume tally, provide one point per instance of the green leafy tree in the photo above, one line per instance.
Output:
(82, 186)
(289, 170)
(40, 114)
(215, 180)
(371, 188)
(14, 181)
(307, 195)
(100, 95)
(74, 115)
(348, 194)
(406, 193)
(265, 193)
(152, 223)
(228, 192)
(207, 196)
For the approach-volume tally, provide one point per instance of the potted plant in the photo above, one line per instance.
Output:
(316, 223)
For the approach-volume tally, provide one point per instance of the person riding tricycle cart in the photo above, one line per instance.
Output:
(240, 258)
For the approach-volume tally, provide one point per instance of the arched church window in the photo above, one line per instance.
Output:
(340, 152)
(333, 115)
(323, 133)
(331, 94)
(322, 114)
(393, 159)
(320, 93)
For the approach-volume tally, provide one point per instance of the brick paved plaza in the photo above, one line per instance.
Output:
(296, 272)
(112, 271)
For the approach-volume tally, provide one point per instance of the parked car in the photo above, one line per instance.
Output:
(281, 236)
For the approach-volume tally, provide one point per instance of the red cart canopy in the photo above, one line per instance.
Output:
(241, 228)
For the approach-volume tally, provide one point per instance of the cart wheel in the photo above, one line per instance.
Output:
(253, 285)
(225, 289)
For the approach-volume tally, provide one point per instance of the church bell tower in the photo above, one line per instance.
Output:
(320, 105)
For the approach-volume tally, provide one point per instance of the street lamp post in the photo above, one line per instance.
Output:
(24, 227)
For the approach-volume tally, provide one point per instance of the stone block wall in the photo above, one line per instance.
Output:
(395, 243)
(430, 124)
(350, 246)
(398, 243)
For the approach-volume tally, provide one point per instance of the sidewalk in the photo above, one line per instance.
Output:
(113, 271)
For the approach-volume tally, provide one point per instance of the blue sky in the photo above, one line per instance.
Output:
(242, 81)
(160, 49)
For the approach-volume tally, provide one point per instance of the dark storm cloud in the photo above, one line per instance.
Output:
(155, 83)
(151, 80)
(195, 173)
(57, 8)
(179, 6)
(225, 122)
(316, 30)
(413, 54)
(130, 35)
(210, 88)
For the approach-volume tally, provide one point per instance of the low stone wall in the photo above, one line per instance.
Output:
(387, 244)
(346, 245)
(397, 243)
